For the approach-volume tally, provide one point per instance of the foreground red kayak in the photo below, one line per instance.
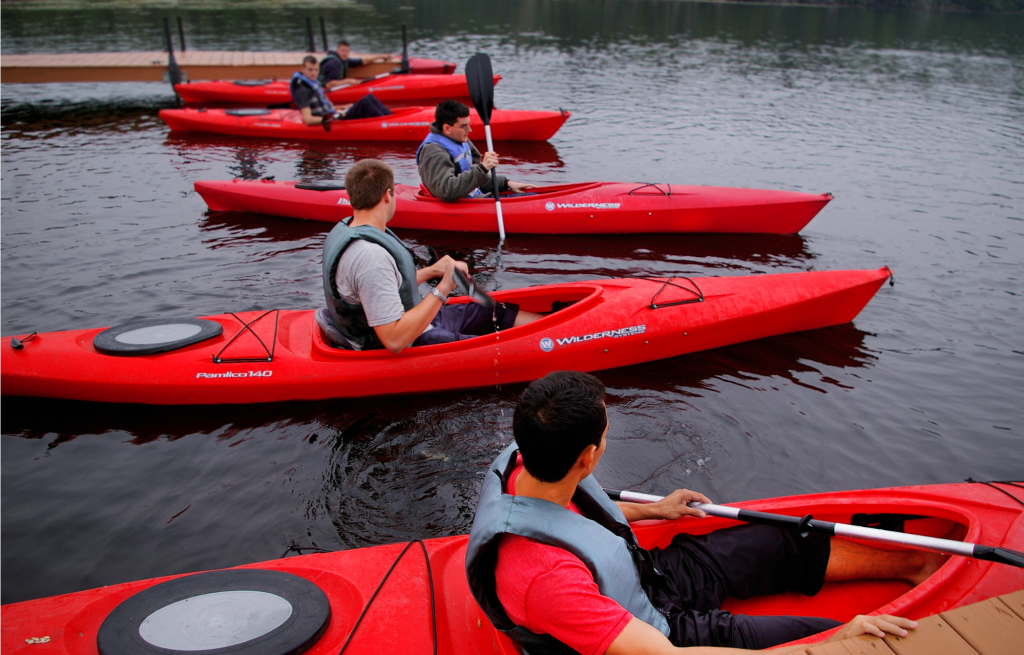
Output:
(278, 355)
(584, 208)
(388, 89)
(401, 619)
(405, 124)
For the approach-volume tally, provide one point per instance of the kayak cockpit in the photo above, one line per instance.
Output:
(842, 601)
(558, 303)
(552, 191)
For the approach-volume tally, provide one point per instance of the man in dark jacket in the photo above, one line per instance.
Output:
(449, 164)
(334, 67)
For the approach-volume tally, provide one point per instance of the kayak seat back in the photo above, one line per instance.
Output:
(331, 334)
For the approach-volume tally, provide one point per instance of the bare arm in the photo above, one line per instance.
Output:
(308, 118)
(671, 507)
(639, 638)
(397, 336)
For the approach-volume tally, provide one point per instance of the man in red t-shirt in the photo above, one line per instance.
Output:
(526, 557)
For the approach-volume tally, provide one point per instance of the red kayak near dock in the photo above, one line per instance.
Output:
(405, 124)
(583, 208)
(418, 604)
(388, 88)
(279, 355)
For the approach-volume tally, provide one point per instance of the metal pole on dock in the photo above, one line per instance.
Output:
(309, 29)
(405, 51)
(181, 34)
(323, 33)
(173, 74)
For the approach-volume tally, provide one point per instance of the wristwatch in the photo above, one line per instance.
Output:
(437, 294)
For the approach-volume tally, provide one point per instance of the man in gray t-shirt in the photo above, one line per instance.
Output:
(368, 280)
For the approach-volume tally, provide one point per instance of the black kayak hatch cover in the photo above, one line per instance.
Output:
(246, 112)
(233, 612)
(155, 335)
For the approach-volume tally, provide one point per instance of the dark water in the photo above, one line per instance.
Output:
(914, 120)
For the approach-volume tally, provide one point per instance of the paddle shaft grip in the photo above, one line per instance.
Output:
(820, 527)
(494, 184)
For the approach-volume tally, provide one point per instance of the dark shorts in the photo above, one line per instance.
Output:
(746, 561)
(467, 320)
(366, 107)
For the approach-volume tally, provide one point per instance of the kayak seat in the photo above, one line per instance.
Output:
(424, 191)
(247, 112)
(332, 334)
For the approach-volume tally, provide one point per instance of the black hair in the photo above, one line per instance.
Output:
(343, 42)
(450, 111)
(557, 417)
(309, 59)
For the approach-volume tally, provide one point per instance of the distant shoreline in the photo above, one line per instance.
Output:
(959, 6)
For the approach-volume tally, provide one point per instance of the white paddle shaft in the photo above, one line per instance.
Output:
(497, 194)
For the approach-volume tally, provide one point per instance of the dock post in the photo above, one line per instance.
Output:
(309, 29)
(323, 33)
(405, 51)
(173, 74)
(181, 34)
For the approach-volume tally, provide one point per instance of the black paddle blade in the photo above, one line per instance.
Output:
(480, 79)
(1001, 555)
(467, 286)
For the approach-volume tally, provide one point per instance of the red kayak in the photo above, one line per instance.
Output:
(414, 607)
(388, 89)
(584, 208)
(279, 355)
(405, 124)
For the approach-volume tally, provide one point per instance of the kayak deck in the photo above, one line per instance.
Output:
(581, 208)
(400, 619)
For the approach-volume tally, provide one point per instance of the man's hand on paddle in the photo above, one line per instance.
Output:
(671, 507)
(443, 268)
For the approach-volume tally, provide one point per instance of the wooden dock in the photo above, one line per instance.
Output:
(152, 66)
(991, 627)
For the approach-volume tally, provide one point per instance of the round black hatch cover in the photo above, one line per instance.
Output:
(236, 612)
(155, 335)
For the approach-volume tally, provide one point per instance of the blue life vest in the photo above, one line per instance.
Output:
(325, 106)
(348, 317)
(601, 538)
(460, 152)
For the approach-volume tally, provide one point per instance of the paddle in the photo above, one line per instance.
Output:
(480, 80)
(466, 284)
(807, 524)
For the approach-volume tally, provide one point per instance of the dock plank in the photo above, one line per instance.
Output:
(990, 627)
(1015, 602)
(933, 635)
(863, 645)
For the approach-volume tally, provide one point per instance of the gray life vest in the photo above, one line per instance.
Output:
(350, 317)
(602, 539)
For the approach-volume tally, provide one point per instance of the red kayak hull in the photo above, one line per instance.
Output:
(610, 323)
(399, 621)
(585, 208)
(390, 89)
(405, 124)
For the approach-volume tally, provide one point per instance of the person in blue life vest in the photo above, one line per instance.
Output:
(316, 109)
(334, 67)
(449, 164)
(554, 564)
(371, 282)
